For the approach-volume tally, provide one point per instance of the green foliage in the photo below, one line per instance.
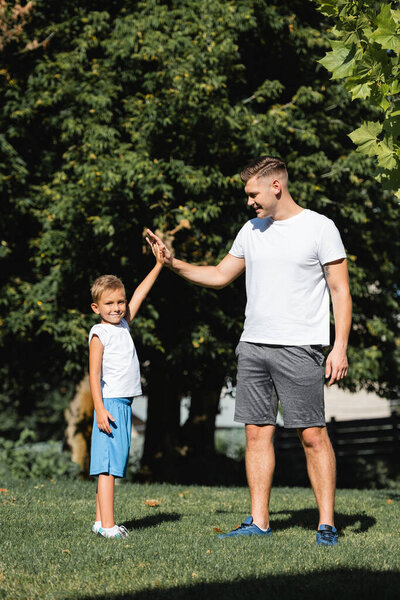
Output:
(142, 114)
(27, 459)
(366, 55)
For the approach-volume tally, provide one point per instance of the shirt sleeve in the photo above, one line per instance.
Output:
(125, 324)
(237, 248)
(100, 332)
(330, 246)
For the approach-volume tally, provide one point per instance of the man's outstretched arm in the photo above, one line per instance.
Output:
(215, 277)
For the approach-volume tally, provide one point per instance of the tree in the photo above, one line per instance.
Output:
(143, 114)
(12, 23)
(366, 56)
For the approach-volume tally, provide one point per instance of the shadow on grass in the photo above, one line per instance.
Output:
(345, 584)
(151, 521)
(308, 518)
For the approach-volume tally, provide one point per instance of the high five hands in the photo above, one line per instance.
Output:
(157, 245)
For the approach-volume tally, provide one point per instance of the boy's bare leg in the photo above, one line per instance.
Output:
(321, 467)
(98, 513)
(105, 500)
(260, 465)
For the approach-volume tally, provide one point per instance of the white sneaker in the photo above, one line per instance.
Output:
(114, 532)
(123, 531)
(96, 527)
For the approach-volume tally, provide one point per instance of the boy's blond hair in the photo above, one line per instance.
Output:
(103, 283)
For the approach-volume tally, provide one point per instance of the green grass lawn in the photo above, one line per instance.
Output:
(48, 551)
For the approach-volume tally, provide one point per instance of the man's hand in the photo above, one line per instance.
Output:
(103, 420)
(152, 239)
(336, 365)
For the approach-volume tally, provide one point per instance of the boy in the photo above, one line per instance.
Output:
(114, 380)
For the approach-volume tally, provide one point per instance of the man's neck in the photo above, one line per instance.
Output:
(285, 209)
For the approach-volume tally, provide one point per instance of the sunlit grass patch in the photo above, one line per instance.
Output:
(48, 550)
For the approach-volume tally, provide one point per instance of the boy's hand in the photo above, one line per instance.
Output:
(158, 245)
(156, 250)
(103, 420)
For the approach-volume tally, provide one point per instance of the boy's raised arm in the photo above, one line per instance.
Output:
(143, 288)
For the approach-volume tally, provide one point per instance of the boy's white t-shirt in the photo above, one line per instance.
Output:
(287, 294)
(120, 371)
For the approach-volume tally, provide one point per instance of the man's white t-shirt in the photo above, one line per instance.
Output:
(120, 370)
(287, 294)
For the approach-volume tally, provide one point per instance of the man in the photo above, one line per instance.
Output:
(293, 257)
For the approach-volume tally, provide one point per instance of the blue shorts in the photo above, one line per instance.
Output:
(110, 451)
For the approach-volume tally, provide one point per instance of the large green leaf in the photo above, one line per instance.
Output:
(386, 156)
(341, 60)
(366, 137)
(360, 90)
(387, 32)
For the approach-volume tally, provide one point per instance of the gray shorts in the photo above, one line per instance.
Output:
(292, 375)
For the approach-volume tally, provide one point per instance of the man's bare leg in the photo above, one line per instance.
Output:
(321, 467)
(260, 465)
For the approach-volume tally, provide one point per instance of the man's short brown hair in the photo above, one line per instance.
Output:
(103, 283)
(263, 166)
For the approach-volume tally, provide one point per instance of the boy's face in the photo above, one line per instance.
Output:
(111, 307)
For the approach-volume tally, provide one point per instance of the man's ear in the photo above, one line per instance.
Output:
(95, 308)
(276, 186)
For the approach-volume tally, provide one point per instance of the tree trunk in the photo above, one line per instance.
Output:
(163, 418)
(79, 418)
(199, 430)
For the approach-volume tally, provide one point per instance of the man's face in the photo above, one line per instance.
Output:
(111, 306)
(262, 195)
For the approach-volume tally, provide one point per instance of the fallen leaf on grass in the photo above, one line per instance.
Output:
(195, 574)
(66, 551)
(217, 530)
(3, 490)
(152, 502)
(390, 501)
(208, 551)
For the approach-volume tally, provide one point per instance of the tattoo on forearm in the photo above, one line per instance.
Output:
(326, 271)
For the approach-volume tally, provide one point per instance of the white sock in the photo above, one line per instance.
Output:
(263, 529)
(97, 524)
(113, 529)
